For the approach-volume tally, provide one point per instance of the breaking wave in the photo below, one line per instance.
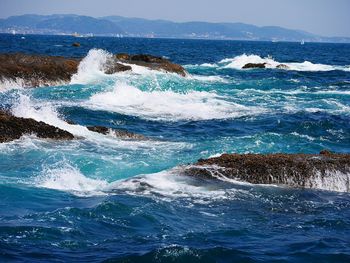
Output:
(168, 184)
(65, 177)
(169, 105)
(238, 62)
(92, 67)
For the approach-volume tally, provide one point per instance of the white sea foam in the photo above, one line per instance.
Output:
(7, 84)
(92, 67)
(167, 184)
(207, 78)
(45, 112)
(168, 105)
(239, 61)
(332, 181)
(65, 177)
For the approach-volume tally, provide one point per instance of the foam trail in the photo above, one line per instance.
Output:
(168, 105)
(239, 61)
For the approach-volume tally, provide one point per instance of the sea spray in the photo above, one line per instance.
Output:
(92, 67)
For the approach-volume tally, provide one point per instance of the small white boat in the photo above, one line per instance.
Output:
(302, 42)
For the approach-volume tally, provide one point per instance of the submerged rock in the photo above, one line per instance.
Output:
(37, 70)
(326, 170)
(12, 128)
(282, 66)
(152, 62)
(254, 65)
(116, 132)
(76, 44)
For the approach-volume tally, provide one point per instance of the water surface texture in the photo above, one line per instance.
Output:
(106, 199)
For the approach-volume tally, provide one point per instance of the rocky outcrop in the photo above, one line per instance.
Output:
(152, 62)
(254, 65)
(325, 170)
(114, 67)
(119, 133)
(39, 70)
(12, 128)
(263, 65)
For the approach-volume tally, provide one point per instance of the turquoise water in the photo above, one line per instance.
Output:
(99, 198)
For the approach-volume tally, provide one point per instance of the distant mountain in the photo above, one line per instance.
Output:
(59, 24)
(137, 27)
(163, 28)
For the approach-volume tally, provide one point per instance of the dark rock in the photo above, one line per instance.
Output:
(254, 65)
(152, 62)
(282, 66)
(76, 44)
(326, 152)
(114, 67)
(12, 128)
(37, 70)
(297, 170)
(116, 132)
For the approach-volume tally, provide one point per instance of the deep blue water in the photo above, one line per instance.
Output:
(100, 198)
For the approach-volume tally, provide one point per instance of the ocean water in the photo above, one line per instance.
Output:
(99, 198)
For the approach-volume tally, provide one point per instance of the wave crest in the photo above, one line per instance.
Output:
(238, 62)
(168, 105)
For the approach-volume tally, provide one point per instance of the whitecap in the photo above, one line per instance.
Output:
(65, 177)
(92, 67)
(169, 105)
(238, 62)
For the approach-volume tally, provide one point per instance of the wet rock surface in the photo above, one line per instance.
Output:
(152, 62)
(37, 70)
(297, 170)
(254, 65)
(119, 133)
(12, 128)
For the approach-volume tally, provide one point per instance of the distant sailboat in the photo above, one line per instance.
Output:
(302, 42)
(13, 32)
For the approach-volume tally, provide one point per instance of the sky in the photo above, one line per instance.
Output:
(322, 17)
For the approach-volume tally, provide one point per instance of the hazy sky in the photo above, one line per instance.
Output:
(323, 17)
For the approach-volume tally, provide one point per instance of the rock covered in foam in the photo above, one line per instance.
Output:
(152, 62)
(12, 128)
(326, 170)
(116, 132)
(37, 70)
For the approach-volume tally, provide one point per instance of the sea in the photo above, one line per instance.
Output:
(99, 198)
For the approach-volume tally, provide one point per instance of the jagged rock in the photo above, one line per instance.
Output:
(76, 44)
(152, 62)
(116, 132)
(12, 128)
(254, 65)
(37, 70)
(297, 170)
